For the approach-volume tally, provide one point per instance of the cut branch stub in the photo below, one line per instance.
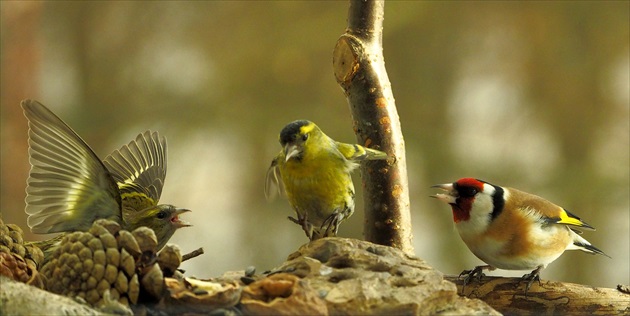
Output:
(345, 60)
(359, 68)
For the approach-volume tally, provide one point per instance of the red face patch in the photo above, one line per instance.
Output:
(466, 189)
(461, 210)
(469, 182)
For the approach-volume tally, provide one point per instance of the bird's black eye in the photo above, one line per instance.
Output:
(161, 215)
(304, 137)
(467, 191)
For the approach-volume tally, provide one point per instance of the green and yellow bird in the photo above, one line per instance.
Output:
(314, 171)
(69, 187)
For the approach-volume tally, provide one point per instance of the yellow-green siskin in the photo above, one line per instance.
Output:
(315, 173)
(69, 187)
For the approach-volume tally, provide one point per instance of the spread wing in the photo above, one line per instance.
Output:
(139, 169)
(68, 186)
(273, 180)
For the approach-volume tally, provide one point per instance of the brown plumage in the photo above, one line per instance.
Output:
(511, 229)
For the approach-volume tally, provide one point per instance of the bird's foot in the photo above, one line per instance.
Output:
(477, 273)
(295, 220)
(331, 224)
(531, 277)
(306, 225)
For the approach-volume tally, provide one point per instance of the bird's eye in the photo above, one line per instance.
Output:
(467, 191)
(161, 215)
(304, 137)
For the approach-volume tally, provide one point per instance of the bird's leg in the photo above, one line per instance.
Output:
(303, 221)
(331, 224)
(531, 277)
(476, 272)
(293, 219)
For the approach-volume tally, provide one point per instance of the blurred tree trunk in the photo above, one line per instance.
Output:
(20, 66)
(359, 67)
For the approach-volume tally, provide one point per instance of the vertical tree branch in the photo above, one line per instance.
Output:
(359, 67)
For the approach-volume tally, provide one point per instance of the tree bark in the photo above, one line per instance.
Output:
(507, 295)
(359, 68)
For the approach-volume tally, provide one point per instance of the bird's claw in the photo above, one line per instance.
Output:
(295, 220)
(328, 228)
(306, 225)
(530, 278)
(332, 224)
(477, 272)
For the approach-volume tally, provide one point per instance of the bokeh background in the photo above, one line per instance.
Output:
(533, 95)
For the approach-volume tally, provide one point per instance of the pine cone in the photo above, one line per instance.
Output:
(107, 263)
(17, 261)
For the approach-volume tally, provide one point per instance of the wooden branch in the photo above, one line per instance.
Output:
(195, 253)
(359, 67)
(507, 295)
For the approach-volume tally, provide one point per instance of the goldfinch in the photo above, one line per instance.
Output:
(511, 229)
(69, 187)
(314, 171)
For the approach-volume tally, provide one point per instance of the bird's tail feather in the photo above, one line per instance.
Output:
(580, 243)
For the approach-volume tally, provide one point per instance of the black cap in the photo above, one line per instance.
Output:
(288, 132)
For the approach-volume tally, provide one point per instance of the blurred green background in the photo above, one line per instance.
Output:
(533, 95)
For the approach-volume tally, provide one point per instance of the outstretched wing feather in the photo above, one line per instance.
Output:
(68, 186)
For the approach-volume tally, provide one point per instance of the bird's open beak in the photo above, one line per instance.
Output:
(291, 151)
(450, 197)
(177, 222)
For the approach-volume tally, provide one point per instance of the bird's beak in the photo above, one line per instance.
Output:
(450, 197)
(291, 151)
(445, 187)
(177, 222)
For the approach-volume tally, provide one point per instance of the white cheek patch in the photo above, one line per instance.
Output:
(488, 189)
(481, 210)
(480, 213)
(479, 218)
